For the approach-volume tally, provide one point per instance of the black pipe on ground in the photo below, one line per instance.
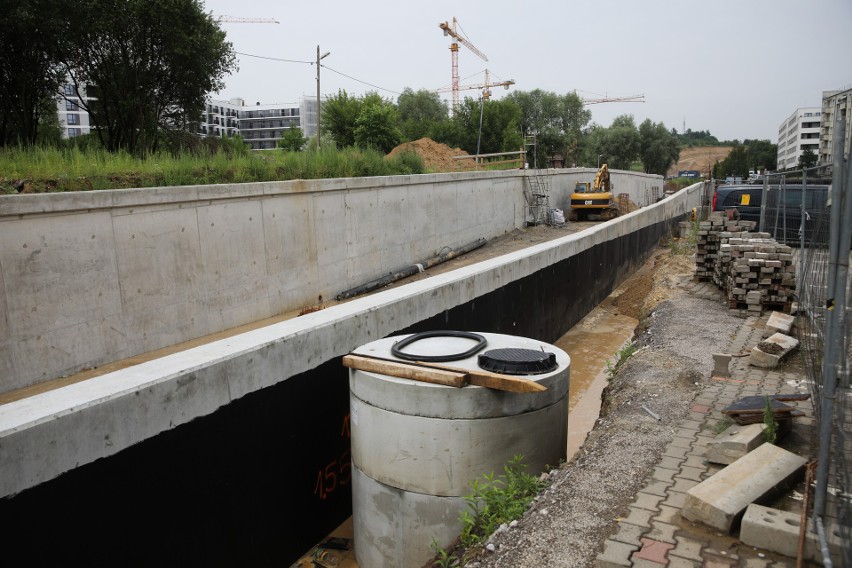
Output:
(409, 270)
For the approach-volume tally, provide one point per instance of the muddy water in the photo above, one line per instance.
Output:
(590, 343)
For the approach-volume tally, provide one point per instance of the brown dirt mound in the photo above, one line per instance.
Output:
(436, 156)
(700, 158)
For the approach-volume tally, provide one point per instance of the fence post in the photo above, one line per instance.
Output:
(835, 306)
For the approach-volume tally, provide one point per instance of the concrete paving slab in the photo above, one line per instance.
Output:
(781, 344)
(771, 529)
(734, 442)
(721, 499)
(778, 531)
(780, 322)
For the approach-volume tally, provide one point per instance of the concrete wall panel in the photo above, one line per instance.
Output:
(233, 257)
(158, 255)
(291, 253)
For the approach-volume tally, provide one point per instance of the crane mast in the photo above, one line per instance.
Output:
(450, 30)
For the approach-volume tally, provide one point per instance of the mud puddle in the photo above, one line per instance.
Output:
(591, 343)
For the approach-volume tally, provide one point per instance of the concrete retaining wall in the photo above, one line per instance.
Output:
(94, 277)
(237, 442)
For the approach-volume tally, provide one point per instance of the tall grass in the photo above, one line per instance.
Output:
(75, 169)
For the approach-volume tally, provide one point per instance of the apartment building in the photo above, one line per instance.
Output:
(797, 133)
(834, 104)
(261, 126)
(73, 118)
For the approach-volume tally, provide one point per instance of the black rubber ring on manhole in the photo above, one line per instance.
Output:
(517, 361)
(396, 349)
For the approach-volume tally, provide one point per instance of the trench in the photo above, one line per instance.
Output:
(590, 343)
(262, 479)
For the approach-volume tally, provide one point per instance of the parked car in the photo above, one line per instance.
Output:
(783, 215)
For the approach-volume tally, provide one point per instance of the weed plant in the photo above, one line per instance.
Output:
(493, 500)
(82, 168)
(622, 355)
(685, 245)
(770, 425)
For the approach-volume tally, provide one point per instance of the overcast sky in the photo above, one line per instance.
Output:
(734, 67)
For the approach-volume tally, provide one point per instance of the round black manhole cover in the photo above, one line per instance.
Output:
(516, 361)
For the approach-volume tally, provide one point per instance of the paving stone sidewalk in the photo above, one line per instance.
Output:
(654, 534)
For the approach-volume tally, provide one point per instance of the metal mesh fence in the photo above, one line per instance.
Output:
(798, 214)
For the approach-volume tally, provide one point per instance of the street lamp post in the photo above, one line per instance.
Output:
(599, 160)
(319, 58)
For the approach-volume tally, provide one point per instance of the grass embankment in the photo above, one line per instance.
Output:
(39, 170)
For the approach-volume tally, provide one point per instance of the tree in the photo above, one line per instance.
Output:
(376, 127)
(292, 140)
(339, 114)
(808, 159)
(500, 131)
(736, 164)
(30, 73)
(762, 154)
(420, 112)
(658, 149)
(151, 65)
(621, 142)
(556, 120)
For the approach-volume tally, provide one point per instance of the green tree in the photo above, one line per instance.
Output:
(622, 142)
(292, 140)
(500, 131)
(420, 112)
(339, 114)
(808, 159)
(151, 62)
(377, 127)
(30, 73)
(736, 164)
(556, 120)
(658, 149)
(762, 154)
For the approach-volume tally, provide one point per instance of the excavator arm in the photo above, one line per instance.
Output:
(602, 179)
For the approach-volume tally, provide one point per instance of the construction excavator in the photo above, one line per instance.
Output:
(594, 198)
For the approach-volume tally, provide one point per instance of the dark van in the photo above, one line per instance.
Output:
(783, 215)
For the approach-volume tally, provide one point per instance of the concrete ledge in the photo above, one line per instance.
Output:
(720, 500)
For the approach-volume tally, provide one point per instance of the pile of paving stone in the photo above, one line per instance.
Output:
(755, 271)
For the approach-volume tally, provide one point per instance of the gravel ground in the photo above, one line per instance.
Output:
(570, 520)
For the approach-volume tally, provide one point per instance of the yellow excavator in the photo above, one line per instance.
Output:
(594, 198)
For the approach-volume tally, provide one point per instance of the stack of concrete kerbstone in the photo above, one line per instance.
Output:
(707, 248)
(763, 276)
(755, 272)
(722, 272)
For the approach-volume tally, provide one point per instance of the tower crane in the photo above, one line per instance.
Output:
(486, 86)
(607, 99)
(450, 30)
(239, 20)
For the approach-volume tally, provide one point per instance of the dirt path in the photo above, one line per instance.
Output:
(569, 522)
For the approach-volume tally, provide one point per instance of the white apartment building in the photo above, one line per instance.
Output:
(797, 133)
(73, 119)
(834, 104)
(260, 126)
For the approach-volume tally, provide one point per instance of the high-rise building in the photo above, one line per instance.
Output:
(73, 118)
(261, 126)
(834, 104)
(797, 133)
